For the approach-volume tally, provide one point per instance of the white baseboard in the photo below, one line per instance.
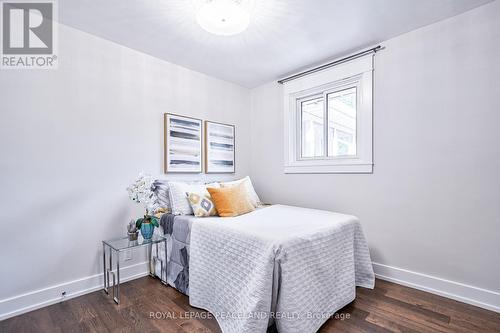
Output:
(487, 299)
(20, 304)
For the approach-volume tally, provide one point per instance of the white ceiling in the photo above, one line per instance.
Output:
(283, 36)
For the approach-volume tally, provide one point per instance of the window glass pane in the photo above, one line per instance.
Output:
(313, 128)
(342, 123)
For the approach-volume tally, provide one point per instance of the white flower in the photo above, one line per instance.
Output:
(140, 191)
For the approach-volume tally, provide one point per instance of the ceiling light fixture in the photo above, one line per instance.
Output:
(223, 17)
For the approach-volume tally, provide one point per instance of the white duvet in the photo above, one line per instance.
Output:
(295, 265)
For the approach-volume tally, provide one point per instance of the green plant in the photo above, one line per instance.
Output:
(147, 219)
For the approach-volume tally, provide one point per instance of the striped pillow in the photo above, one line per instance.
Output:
(160, 194)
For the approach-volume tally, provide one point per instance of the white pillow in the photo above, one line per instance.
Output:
(252, 195)
(178, 199)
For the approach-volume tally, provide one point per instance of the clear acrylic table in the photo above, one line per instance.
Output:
(122, 244)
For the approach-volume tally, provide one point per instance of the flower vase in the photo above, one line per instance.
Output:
(147, 230)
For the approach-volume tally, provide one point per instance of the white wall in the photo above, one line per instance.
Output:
(432, 204)
(71, 141)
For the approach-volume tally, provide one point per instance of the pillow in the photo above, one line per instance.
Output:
(161, 200)
(201, 204)
(252, 195)
(231, 201)
(178, 198)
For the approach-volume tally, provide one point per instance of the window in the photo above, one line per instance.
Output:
(328, 120)
(341, 117)
(313, 128)
(328, 129)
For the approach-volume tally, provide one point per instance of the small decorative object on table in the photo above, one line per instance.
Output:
(141, 192)
(147, 225)
(133, 231)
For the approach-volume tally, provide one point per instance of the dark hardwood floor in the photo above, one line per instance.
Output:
(148, 306)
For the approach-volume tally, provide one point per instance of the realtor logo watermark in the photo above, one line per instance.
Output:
(29, 35)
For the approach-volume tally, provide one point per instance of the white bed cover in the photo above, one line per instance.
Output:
(316, 257)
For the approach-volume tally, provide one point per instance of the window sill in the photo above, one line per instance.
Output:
(338, 168)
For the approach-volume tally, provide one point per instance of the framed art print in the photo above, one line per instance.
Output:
(183, 144)
(219, 148)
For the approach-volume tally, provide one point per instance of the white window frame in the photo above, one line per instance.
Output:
(356, 73)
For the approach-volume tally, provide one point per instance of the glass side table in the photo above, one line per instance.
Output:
(122, 244)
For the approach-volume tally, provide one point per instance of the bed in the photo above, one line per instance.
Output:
(291, 266)
(177, 229)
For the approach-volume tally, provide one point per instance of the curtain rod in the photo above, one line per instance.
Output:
(330, 64)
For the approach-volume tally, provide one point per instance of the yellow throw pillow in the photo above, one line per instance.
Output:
(231, 201)
(252, 195)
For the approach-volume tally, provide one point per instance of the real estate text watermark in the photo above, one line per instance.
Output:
(248, 315)
(29, 34)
